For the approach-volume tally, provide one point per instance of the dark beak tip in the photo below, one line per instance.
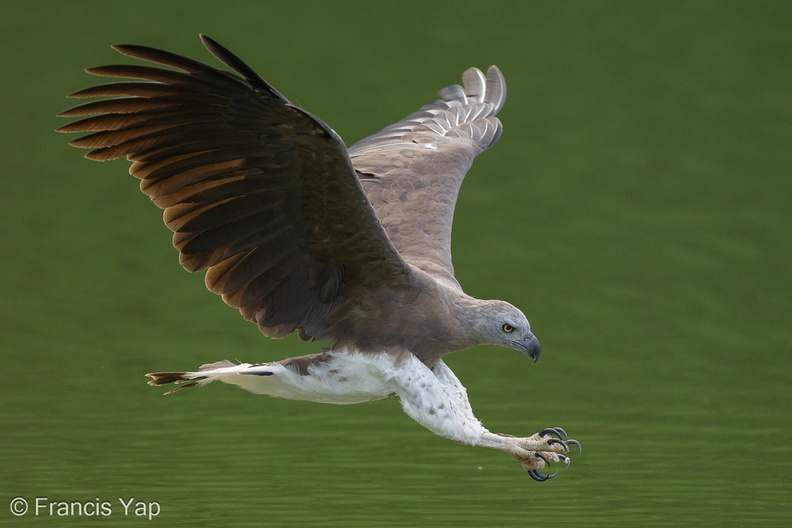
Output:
(534, 349)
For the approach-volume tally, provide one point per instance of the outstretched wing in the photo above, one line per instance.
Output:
(412, 170)
(256, 190)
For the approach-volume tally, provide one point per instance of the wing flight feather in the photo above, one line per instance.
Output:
(257, 191)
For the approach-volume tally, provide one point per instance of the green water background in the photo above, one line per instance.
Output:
(637, 208)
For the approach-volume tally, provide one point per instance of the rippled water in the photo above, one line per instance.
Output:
(637, 208)
(221, 453)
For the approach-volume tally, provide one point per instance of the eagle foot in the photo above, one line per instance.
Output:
(542, 449)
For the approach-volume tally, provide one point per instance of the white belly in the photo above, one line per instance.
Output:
(345, 379)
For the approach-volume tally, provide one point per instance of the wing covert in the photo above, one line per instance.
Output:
(412, 170)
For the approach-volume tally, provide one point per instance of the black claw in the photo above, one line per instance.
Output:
(561, 432)
(550, 431)
(565, 443)
(538, 477)
(535, 472)
(540, 455)
(566, 460)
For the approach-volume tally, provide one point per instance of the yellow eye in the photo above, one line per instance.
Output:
(507, 328)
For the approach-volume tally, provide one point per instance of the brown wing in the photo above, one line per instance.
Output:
(412, 170)
(255, 189)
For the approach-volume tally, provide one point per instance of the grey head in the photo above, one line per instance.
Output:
(500, 323)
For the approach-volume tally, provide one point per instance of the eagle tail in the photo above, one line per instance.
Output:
(205, 374)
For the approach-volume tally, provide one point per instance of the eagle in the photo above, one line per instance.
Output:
(346, 246)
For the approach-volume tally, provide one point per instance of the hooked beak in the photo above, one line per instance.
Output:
(531, 347)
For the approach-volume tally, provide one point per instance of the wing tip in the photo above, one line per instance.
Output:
(496, 88)
(479, 88)
(231, 60)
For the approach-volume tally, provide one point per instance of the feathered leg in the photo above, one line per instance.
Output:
(437, 400)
